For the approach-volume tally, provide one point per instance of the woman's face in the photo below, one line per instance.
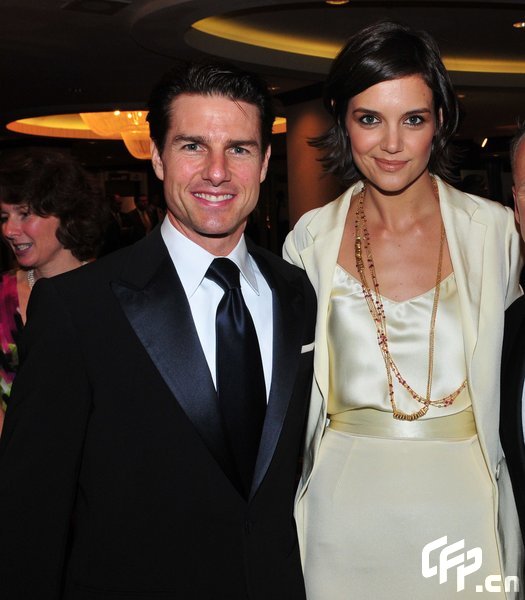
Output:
(31, 237)
(391, 126)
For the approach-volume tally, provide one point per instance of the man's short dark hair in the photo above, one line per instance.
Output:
(208, 79)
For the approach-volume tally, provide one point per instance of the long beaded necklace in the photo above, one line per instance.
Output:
(377, 311)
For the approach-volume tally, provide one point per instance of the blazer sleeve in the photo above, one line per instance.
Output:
(40, 451)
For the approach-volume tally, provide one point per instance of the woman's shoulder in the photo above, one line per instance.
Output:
(477, 204)
(327, 211)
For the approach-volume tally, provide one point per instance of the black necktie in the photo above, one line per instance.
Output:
(240, 377)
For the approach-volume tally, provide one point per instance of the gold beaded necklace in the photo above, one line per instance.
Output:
(377, 311)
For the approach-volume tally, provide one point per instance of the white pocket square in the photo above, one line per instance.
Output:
(307, 347)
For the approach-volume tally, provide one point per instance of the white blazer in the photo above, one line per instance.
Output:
(484, 246)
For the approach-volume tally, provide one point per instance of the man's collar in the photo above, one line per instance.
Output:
(192, 261)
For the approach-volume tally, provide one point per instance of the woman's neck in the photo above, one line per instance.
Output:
(61, 264)
(400, 210)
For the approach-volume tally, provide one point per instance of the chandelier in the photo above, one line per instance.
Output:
(131, 126)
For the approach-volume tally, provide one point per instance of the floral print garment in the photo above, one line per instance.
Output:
(10, 327)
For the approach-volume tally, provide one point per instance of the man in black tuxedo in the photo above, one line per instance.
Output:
(126, 469)
(512, 416)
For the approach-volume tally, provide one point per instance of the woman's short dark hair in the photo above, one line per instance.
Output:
(208, 79)
(382, 52)
(52, 183)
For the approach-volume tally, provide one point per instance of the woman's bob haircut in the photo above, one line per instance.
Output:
(382, 52)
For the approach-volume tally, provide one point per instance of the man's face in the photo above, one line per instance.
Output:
(212, 166)
(518, 189)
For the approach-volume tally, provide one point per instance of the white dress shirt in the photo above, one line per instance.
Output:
(192, 261)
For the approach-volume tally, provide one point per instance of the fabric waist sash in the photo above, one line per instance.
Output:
(376, 423)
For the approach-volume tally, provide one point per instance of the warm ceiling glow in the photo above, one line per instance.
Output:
(279, 125)
(62, 126)
(129, 126)
(519, 24)
(484, 142)
(484, 65)
(337, 2)
(237, 32)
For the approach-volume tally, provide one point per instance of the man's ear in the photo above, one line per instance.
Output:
(516, 209)
(156, 161)
(264, 167)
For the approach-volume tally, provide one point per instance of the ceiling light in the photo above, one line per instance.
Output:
(279, 125)
(336, 2)
(519, 24)
(231, 31)
(484, 142)
(130, 126)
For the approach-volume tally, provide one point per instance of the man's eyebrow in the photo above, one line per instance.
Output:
(183, 137)
(199, 139)
(243, 143)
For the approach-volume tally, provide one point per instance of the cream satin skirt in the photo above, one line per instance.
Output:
(374, 503)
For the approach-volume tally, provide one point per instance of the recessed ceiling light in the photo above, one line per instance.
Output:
(337, 2)
(519, 24)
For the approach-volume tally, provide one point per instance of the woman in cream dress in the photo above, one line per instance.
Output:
(406, 493)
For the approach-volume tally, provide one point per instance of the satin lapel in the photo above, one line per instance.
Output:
(157, 308)
(288, 319)
(466, 239)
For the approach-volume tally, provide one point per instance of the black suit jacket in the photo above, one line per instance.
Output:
(512, 382)
(114, 477)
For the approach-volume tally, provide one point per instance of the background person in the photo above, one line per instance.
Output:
(52, 219)
(513, 360)
(412, 278)
(131, 464)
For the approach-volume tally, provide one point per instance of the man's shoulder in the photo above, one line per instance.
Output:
(135, 258)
